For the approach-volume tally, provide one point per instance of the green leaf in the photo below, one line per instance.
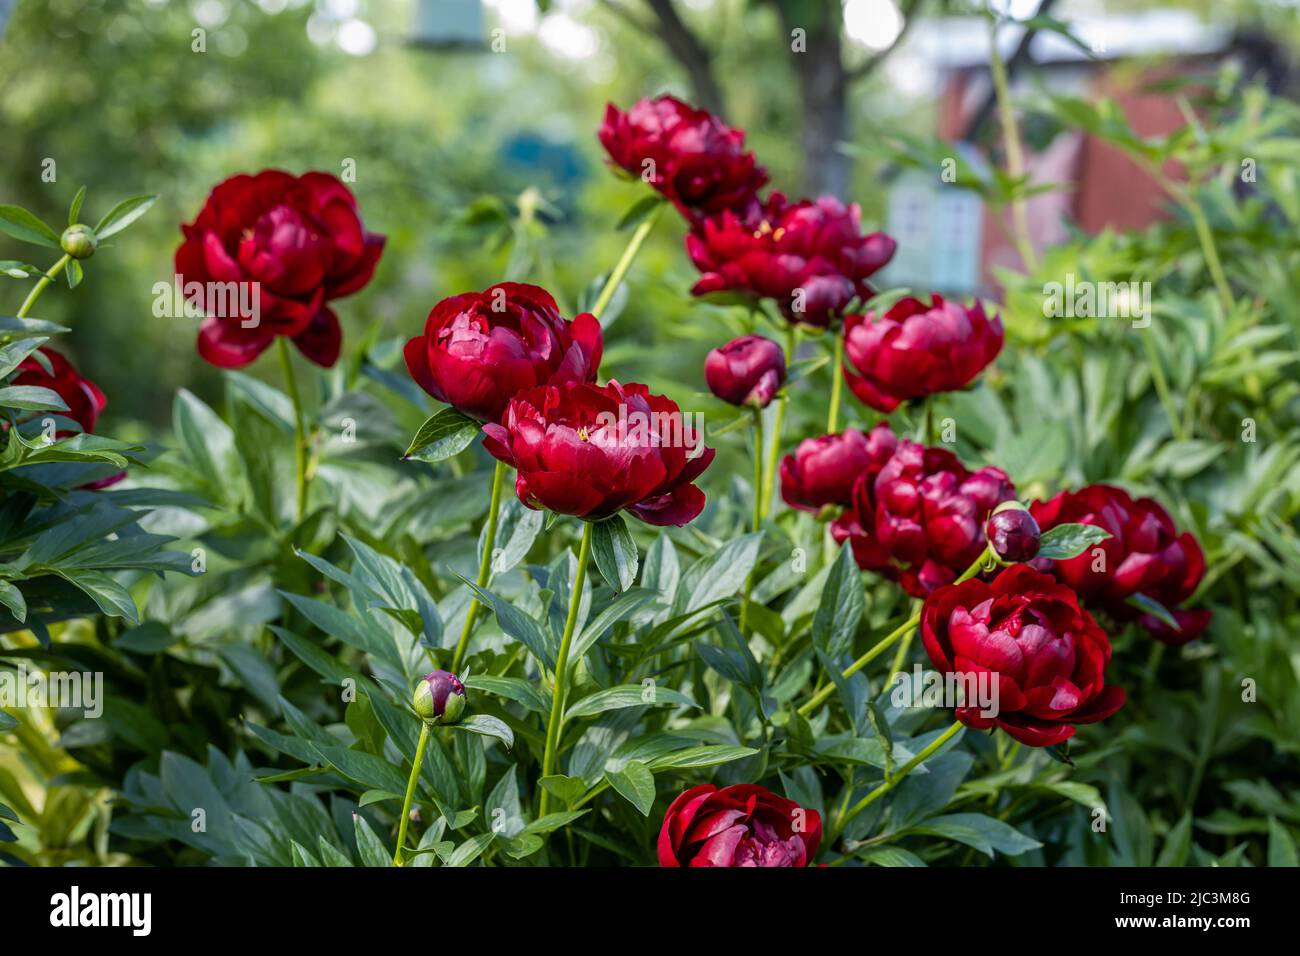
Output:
(122, 215)
(25, 227)
(718, 576)
(470, 850)
(12, 598)
(1281, 846)
(15, 269)
(615, 552)
(706, 755)
(488, 726)
(519, 625)
(568, 790)
(1178, 844)
(369, 847)
(639, 211)
(75, 209)
(517, 689)
(628, 695)
(1148, 605)
(74, 274)
(113, 599)
(984, 833)
(442, 435)
(1067, 541)
(840, 611)
(636, 784)
(553, 821)
(32, 398)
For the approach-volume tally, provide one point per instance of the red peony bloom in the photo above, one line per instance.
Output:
(692, 157)
(746, 371)
(1144, 554)
(480, 349)
(920, 520)
(83, 397)
(595, 450)
(810, 256)
(300, 239)
(915, 350)
(822, 471)
(740, 825)
(1027, 631)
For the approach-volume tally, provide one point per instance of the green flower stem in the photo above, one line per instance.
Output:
(562, 667)
(893, 781)
(757, 520)
(484, 565)
(410, 792)
(299, 428)
(1162, 386)
(774, 451)
(837, 382)
(1206, 237)
(41, 283)
(875, 651)
(900, 656)
(620, 270)
(884, 643)
(1011, 143)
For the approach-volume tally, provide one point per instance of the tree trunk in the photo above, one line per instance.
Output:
(823, 85)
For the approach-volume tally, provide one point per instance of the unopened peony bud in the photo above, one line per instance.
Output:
(439, 698)
(79, 241)
(1012, 532)
(746, 371)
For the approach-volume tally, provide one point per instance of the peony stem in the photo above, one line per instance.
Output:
(299, 429)
(41, 283)
(410, 792)
(875, 651)
(837, 383)
(893, 781)
(774, 451)
(883, 644)
(620, 270)
(757, 520)
(484, 565)
(1011, 142)
(562, 667)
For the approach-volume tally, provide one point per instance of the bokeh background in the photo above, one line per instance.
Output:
(452, 110)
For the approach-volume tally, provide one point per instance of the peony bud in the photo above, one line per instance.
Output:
(746, 371)
(79, 241)
(1012, 532)
(439, 698)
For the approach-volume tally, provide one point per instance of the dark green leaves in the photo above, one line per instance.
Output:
(442, 435)
(122, 215)
(840, 611)
(1067, 541)
(615, 552)
(25, 227)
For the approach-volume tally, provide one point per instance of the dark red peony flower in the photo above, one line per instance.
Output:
(594, 450)
(1027, 631)
(810, 256)
(920, 520)
(83, 397)
(1145, 553)
(480, 349)
(746, 371)
(822, 471)
(300, 239)
(915, 350)
(692, 157)
(740, 825)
